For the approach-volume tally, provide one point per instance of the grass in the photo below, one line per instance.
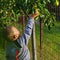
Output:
(51, 42)
(50, 45)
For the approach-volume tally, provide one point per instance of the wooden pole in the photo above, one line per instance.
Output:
(34, 44)
(41, 32)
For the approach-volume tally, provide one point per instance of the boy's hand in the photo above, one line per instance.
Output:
(34, 15)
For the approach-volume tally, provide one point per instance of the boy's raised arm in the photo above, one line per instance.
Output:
(28, 30)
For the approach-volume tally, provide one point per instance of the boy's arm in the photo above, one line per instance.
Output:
(27, 32)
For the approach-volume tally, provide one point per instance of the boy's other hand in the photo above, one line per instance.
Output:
(34, 15)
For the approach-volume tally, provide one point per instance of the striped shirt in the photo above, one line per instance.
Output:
(23, 42)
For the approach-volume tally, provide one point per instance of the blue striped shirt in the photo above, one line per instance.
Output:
(23, 42)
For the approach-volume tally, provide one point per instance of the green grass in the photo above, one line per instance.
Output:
(51, 42)
(50, 45)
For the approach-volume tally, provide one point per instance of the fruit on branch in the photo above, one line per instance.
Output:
(36, 9)
(57, 2)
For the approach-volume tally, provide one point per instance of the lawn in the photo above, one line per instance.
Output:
(50, 45)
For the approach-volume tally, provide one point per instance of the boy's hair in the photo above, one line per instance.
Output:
(12, 31)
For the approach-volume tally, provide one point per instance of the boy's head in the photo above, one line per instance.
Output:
(12, 33)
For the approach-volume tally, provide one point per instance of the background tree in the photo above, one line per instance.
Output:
(9, 10)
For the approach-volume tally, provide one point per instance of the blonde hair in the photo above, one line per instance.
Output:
(12, 32)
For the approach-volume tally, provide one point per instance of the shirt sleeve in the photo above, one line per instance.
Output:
(27, 32)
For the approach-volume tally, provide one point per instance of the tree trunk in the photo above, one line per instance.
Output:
(41, 34)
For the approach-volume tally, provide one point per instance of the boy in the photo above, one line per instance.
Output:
(15, 37)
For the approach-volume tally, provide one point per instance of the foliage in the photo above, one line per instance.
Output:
(10, 10)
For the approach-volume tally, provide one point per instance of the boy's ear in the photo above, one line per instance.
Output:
(14, 36)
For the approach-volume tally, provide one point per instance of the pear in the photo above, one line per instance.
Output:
(57, 3)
